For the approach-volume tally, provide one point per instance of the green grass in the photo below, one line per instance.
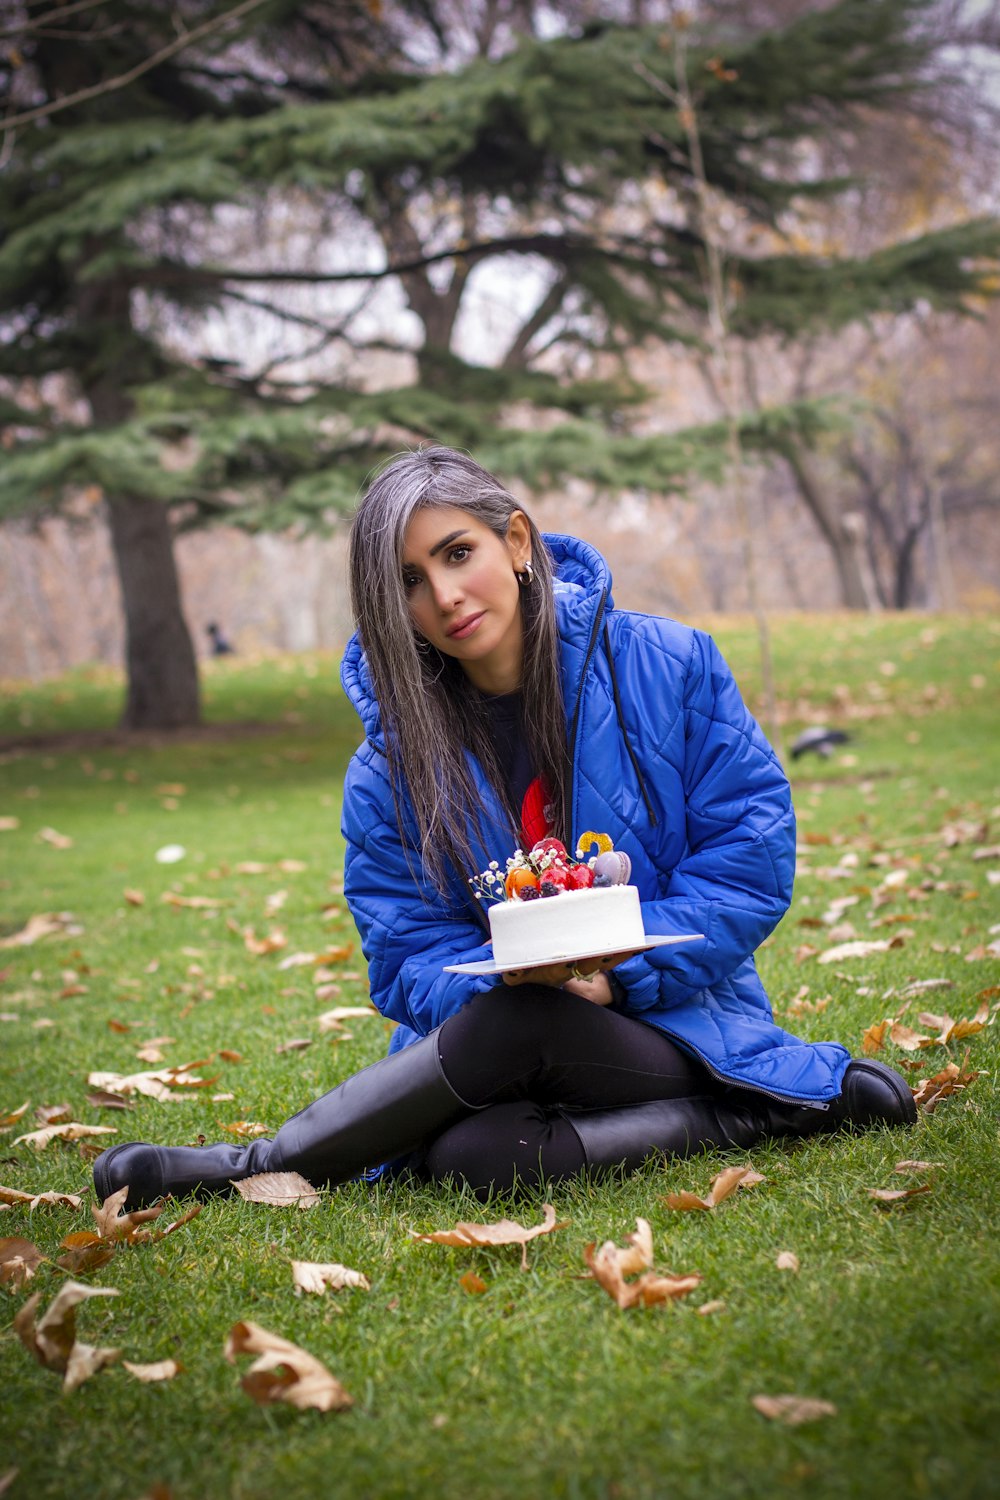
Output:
(540, 1386)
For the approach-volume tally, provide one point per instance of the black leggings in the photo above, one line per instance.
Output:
(529, 1053)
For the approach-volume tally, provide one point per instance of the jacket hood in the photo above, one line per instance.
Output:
(582, 595)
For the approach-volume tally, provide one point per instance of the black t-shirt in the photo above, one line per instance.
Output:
(504, 714)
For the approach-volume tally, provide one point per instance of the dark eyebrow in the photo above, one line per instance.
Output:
(444, 542)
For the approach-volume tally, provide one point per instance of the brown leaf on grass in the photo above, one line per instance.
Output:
(787, 1260)
(708, 1308)
(43, 924)
(472, 1284)
(228, 1055)
(62, 1200)
(893, 1197)
(164, 1083)
(864, 948)
(294, 1044)
(611, 1264)
(85, 1251)
(19, 1260)
(792, 1411)
(261, 947)
(194, 903)
(283, 1371)
(134, 898)
(53, 1339)
(316, 1277)
(917, 1166)
(244, 1128)
(162, 1369)
(722, 1186)
(105, 1099)
(74, 1131)
(908, 1039)
(115, 1224)
(53, 1114)
(503, 1232)
(279, 1189)
(12, 1117)
(56, 840)
(951, 1080)
(874, 1038)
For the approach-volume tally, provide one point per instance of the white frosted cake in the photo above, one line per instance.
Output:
(607, 920)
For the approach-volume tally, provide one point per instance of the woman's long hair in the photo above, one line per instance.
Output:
(431, 714)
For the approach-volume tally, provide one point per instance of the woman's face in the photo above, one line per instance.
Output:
(460, 581)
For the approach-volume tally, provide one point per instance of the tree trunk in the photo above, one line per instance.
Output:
(843, 533)
(162, 672)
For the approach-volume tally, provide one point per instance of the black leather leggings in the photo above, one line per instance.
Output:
(528, 1054)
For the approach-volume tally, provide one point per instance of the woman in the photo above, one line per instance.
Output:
(504, 698)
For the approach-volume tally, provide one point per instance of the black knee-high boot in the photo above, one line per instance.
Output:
(372, 1117)
(871, 1095)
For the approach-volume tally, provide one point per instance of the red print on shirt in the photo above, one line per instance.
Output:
(536, 813)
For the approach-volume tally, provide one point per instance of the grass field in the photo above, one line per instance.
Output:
(537, 1385)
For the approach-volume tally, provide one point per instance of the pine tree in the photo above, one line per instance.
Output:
(132, 151)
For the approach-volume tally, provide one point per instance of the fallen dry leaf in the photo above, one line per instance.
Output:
(163, 1084)
(908, 1039)
(85, 1251)
(62, 1200)
(294, 1044)
(134, 898)
(53, 1114)
(53, 1339)
(162, 1369)
(874, 1038)
(865, 948)
(244, 1128)
(474, 1285)
(56, 840)
(313, 1276)
(194, 903)
(951, 1080)
(708, 1308)
(611, 1264)
(893, 1197)
(917, 1166)
(787, 1260)
(722, 1186)
(44, 924)
(19, 1260)
(792, 1411)
(283, 1371)
(74, 1131)
(12, 1117)
(503, 1232)
(105, 1099)
(260, 947)
(279, 1189)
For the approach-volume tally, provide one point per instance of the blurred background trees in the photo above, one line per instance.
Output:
(248, 250)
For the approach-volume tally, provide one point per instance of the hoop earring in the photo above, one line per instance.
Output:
(527, 578)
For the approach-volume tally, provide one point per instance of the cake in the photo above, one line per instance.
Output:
(568, 925)
(549, 905)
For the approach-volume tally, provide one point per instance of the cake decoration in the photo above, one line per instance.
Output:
(548, 869)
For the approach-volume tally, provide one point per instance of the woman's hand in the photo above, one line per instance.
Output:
(588, 978)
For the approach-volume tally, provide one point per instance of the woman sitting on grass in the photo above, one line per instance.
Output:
(504, 698)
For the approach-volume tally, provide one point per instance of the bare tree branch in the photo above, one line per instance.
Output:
(61, 13)
(109, 85)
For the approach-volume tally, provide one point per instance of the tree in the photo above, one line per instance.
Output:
(141, 165)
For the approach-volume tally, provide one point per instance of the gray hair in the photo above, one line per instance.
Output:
(431, 714)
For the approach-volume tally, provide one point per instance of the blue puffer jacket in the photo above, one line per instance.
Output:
(681, 777)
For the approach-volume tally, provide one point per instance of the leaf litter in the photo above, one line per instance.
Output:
(503, 1232)
(53, 1341)
(611, 1264)
(284, 1372)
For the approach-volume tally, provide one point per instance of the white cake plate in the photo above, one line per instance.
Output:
(490, 966)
